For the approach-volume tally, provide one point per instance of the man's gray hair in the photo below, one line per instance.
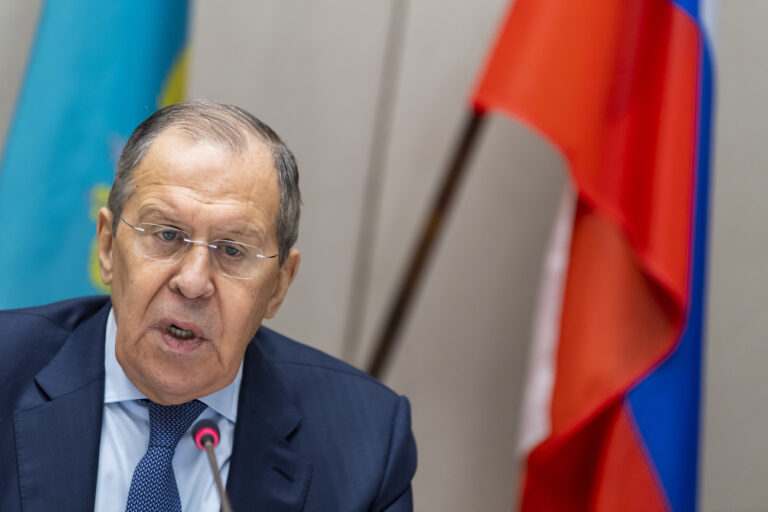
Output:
(205, 120)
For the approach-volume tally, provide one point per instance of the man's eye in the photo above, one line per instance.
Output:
(231, 250)
(168, 235)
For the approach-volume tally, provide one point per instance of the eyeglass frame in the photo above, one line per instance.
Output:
(209, 244)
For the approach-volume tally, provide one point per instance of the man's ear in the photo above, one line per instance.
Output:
(285, 275)
(106, 241)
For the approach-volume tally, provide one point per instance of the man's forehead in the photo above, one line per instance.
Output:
(174, 152)
(206, 173)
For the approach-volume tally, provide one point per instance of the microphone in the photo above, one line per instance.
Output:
(206, 436)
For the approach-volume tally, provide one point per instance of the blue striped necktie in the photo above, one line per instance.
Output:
(153, 486)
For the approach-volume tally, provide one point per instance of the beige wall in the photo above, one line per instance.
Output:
(314, 71)
(735, 417)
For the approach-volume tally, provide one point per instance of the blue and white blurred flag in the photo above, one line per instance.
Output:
(96, 70)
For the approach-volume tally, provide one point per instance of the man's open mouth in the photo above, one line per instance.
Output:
(179, 333)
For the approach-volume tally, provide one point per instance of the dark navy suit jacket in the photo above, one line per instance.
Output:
(312, 433)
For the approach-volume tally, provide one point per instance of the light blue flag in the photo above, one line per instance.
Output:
(95, 71)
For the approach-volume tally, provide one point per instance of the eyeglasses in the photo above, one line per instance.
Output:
(164, 243)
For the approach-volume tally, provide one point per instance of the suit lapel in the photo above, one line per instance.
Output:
(265, 472)
(57, 438)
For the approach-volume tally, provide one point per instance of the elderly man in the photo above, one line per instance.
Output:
(99, 394)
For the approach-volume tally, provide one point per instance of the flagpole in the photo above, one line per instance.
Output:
(423, 250)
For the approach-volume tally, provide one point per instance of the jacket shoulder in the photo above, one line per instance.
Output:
(355, 431)
(65, 315)
(292, 356)
(32, 336)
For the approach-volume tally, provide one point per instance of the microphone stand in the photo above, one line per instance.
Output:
(208, 444)
(206, 436)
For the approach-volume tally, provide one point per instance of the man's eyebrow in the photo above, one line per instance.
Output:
(157, 214)
(249, 234)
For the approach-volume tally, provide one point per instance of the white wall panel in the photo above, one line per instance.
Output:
(445, 43)
(735, 458)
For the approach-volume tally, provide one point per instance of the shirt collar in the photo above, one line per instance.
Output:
(119, 388)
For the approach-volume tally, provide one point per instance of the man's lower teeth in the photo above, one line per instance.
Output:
(180, 333)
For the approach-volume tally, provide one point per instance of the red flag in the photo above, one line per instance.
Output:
(613, 84)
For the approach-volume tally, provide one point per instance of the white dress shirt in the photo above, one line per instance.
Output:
(125, 437)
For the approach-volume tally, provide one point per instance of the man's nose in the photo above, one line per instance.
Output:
(194, 275)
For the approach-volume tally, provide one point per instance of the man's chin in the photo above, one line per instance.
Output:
(169, 384)
(173, 394)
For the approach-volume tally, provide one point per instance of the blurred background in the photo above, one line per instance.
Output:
(370, 96)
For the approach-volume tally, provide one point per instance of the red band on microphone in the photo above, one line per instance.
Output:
(206, 431)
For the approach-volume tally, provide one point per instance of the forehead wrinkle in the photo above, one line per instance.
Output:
(186, 187)
(174, 216)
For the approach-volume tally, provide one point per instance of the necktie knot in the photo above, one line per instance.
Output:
(167, 423)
